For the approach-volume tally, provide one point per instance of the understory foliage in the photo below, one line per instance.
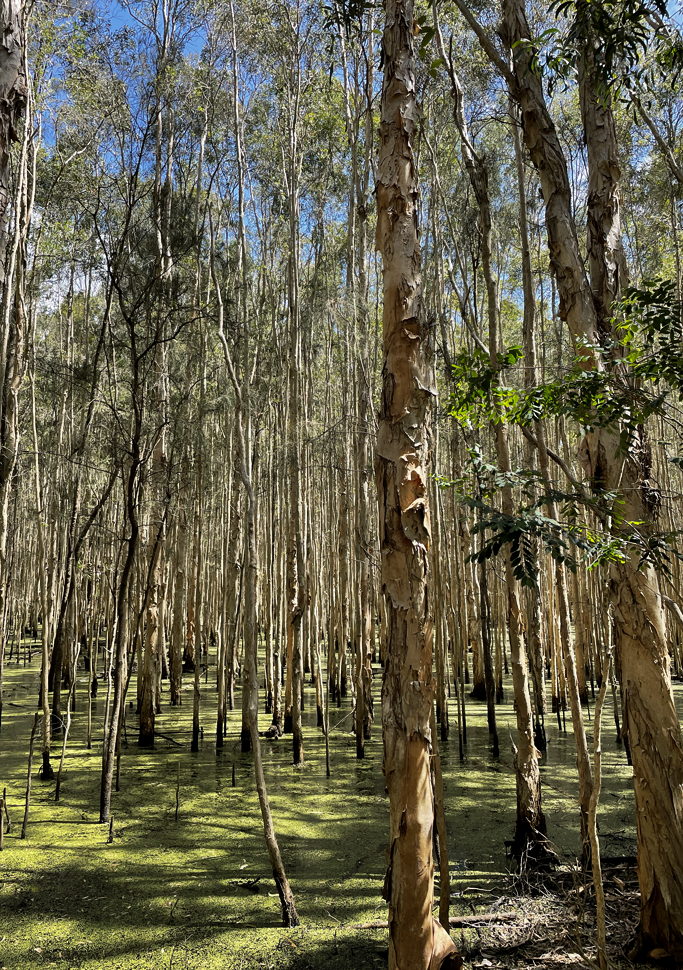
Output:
(641, 377)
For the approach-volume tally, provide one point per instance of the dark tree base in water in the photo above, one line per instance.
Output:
(290, 917)
(540, 739)
(46, 773)
(531, 848)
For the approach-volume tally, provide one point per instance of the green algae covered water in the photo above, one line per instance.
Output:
(196, 891)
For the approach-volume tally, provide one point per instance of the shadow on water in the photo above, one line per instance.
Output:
(346, 949)
(198, 892)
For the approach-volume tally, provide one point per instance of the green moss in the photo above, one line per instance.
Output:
(183, 894)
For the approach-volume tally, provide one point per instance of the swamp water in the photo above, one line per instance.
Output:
(198, 892)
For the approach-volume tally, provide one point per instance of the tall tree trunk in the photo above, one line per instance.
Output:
(653, 725)
(416, 940)
(530, 828)
(364, 686)
(246, 467)
(180, 587)
(112, 724)
(13, 332)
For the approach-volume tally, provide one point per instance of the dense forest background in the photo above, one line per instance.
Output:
(194, 366)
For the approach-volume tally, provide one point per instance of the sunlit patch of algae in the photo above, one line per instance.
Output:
(197, 892)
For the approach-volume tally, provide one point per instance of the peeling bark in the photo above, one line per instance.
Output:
(606, 257)
(654, 729)
(13, 93)
(416, 939)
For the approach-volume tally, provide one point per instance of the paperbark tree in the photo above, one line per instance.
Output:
(585, 782)
(653, 726)
(294, 83)
(246, 463)
(13, 92)
(652, 721)
(530, 826)
(416, 940)
(161, 202)
(364, 702)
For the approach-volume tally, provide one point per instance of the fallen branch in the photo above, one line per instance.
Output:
(382, 924)
(166, 737)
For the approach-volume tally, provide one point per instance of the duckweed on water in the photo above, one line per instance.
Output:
(197, 892)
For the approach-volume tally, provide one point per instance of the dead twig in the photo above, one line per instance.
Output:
(382, 924)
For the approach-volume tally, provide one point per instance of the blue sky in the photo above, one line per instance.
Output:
(119, 17)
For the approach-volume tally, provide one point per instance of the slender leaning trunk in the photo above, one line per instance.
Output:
(530, 826)
(247, 462)
(112, 724)
(416, 940)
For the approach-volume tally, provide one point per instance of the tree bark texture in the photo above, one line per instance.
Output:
(416, 939)
(652, 723)
(13, 92)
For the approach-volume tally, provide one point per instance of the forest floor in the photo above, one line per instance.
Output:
(196, 891)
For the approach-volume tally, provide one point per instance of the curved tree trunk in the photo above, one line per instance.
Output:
(652, 723)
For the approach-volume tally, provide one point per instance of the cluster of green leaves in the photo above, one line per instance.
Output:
(651, 332)
(594, 398)
(530, 525)
(569, 539)
(348, 15)
(479, 396)
(648, 350)
(621, 28)
(426, 32)
(621, 36)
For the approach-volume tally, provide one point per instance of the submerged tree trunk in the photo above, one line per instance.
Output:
(652, 723)
(529, 840)
(416, 940)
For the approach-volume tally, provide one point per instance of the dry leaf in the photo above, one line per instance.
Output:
(659, 953)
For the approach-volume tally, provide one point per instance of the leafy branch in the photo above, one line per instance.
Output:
(618, 34)
(648, 349)
(570, 539)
